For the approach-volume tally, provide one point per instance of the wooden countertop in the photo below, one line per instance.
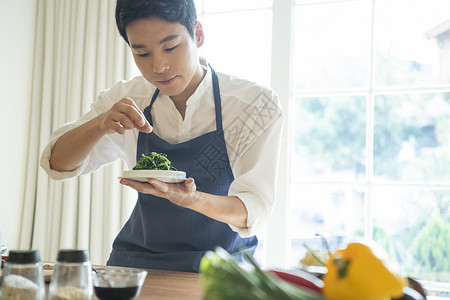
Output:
(171, 285)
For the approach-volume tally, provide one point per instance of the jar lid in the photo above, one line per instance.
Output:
(24, 256)
(73, 256)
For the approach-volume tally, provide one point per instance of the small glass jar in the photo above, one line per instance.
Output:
(72, 276)
(23, 276)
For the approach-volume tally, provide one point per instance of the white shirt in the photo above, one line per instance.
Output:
(252, 122)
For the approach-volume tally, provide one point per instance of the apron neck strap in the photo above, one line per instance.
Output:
(155, 95)
(217, 100)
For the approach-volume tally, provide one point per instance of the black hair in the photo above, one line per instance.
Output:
(173, 11)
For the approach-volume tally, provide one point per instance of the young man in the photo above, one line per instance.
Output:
(224, 132)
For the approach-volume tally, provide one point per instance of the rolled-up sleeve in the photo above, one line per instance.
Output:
(47, 152)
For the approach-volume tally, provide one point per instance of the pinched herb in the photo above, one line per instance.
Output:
(154, 161)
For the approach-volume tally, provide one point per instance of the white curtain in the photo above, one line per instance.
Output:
(78, 52)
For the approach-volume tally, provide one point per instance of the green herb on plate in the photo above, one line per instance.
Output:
(154, 161)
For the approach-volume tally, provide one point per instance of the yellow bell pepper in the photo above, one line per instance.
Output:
(355, 273)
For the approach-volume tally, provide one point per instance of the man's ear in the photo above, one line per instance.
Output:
(199, 34)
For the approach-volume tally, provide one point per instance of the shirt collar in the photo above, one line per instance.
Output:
(204, 85)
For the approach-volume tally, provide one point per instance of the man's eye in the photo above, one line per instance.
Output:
(171, 49)
(142, 55)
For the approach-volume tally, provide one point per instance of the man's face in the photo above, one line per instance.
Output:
(166, 55)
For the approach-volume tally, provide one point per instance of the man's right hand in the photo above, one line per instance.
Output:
(72, 148)
(123, 115)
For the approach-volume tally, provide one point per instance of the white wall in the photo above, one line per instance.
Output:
(17, 22)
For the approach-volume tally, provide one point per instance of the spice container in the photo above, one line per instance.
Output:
(23, 276)
(72, 276)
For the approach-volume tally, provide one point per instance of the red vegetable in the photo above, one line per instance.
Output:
(300, 278)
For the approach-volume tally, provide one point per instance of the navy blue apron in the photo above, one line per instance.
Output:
(163, 235)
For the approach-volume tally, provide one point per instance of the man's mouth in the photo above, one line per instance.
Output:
(167, 81)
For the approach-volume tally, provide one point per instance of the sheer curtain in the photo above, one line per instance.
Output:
(78, 52)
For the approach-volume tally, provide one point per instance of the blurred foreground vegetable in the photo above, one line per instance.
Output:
(355, 273)
(223, 278)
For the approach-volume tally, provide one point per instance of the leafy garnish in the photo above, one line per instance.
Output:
(154, 161)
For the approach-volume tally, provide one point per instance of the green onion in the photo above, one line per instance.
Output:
(223, 278)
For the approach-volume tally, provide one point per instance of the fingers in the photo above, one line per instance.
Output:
(153, 186)
(142, 187)
(121, 119)
(190, 184)
(147, 128)
(136, 115)
(160, 186)
(124, 115)
(182, 194)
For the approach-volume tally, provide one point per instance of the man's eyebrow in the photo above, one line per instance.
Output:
(164, 40)
(137, 46)
(168, 38)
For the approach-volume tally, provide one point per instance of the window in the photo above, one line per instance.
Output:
(365, 85)
(233, 44)
(237, 46)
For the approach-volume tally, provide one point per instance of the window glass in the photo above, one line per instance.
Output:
(413, 226)
(199, 7)
(240, 47)
(329, 138)
(331, 45)
(412, 42)
(220, 5)
(337, 213)
(412, 138)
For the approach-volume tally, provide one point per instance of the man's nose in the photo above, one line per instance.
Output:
(160, 66)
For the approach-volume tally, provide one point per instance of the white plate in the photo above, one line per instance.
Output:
(162, 175)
